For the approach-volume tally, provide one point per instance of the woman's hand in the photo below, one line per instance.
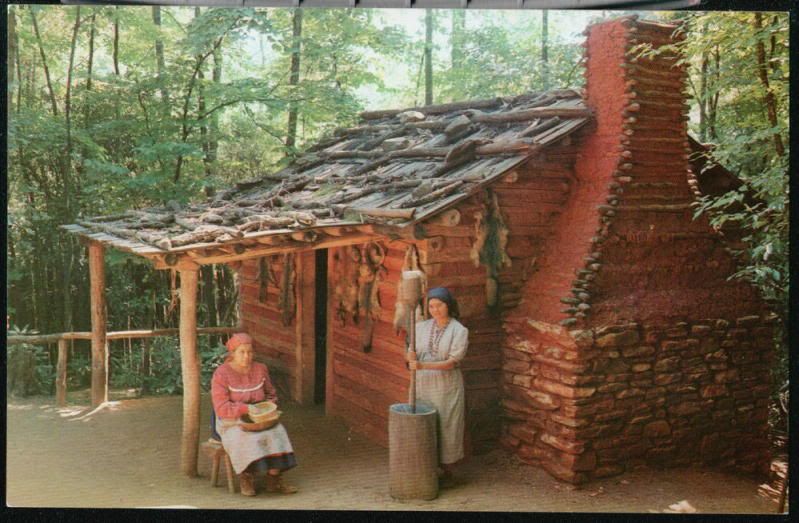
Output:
(414, 365)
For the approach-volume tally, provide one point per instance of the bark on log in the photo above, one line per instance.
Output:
(405, 214)
(435, 195)
(190, 370)
(434, 109)
(61, 374)
(531, 114)
(99, 391)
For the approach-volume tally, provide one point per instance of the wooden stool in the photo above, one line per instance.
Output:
(216, 452)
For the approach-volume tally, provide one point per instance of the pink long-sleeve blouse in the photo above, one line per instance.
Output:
(232, 391)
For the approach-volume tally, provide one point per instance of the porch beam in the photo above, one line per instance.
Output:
(258, 250)
(99, 392)
(190, 370)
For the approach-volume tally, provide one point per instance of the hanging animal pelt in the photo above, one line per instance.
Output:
(356, 292)
(370, 274)
(490, 246)
(287, 301)
(265, 276)
(402, 310)
(346, 263)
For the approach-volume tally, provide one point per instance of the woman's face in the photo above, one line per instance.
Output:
(438, 309)
(242, 355)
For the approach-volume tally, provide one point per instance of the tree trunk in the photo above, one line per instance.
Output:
(456, 40)
(762, 71)
(217, 79)
(67, 161)
(91, 55)
(702, 99)
(44, 61)
(19, 74)
(714, 101)
(294, 80)
(115, 52)
(428, 57)
(159, 53)
(545, 48)
(12, 56)
(201, 112)
(185, 129)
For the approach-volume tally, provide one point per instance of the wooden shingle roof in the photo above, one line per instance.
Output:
(397, 168)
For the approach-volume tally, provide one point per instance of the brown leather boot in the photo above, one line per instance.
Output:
(247, 484)
(275, 484)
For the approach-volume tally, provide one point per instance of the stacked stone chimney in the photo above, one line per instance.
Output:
(636, 347)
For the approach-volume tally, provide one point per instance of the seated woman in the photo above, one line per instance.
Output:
(237, 383)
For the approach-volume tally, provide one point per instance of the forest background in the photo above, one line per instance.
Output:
(112, 108)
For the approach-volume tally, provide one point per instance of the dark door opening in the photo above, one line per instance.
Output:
(320, 327)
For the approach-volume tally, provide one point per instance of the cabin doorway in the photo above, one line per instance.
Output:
(320, 327)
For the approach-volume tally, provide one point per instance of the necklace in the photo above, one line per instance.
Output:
(436, 334)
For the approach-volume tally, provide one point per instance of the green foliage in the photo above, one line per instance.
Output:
(219, 106)
(165, 371)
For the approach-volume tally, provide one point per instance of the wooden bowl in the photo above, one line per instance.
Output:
(249, 425)
(263, 411)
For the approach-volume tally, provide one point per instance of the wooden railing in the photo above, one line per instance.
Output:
(62, 338)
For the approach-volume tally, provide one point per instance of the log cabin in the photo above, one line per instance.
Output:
(604, 331)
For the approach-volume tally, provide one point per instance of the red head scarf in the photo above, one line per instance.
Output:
(237, 339)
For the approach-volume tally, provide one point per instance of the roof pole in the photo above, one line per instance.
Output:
(98, 317)
(190, 369)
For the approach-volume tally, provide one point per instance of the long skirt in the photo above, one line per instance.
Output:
(270, 448)
(444, 391)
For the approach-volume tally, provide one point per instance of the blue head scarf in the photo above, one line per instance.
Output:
(441, 293)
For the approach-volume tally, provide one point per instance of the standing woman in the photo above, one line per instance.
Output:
(441, 344)
(238, 382)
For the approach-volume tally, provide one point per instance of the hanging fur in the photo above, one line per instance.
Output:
(370, 274)
(403, 311)
(490, 246)
(265, 276)
(287, 302)
(346, 263)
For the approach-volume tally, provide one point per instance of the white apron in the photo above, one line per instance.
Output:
(244, 447)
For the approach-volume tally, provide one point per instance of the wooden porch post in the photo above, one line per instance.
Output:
(190, 368)
(305, 331)
(61, 374)
(98, 314)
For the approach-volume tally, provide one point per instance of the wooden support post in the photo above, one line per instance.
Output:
(98, 315)
(61, 374)
(304, 327)
(190, 369)
(330, 375)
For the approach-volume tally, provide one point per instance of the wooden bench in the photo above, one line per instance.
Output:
(217, 453)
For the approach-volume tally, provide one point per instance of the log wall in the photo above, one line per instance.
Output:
(275, 344)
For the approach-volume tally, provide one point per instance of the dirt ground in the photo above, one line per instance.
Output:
(127, 455)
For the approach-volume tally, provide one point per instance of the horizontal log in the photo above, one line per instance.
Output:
(531, 114)
(434, 109)
(38, 339)
(680, 207)
(405, 214)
